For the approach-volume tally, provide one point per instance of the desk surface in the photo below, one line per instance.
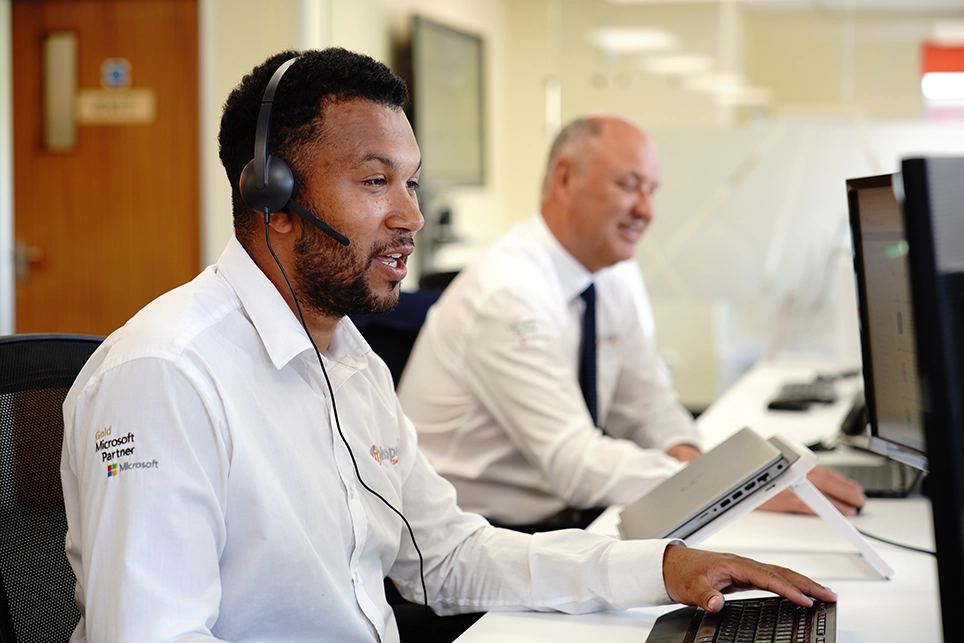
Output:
(868, 608)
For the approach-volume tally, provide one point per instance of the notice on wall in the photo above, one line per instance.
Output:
(116, 106)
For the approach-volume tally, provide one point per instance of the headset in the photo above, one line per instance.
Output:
(267, 182)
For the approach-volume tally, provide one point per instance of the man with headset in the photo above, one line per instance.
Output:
(236, 465)
(499, 384)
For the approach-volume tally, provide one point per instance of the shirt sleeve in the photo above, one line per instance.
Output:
(145, 576)
(645, 407)
(514, 367)
(471, 566)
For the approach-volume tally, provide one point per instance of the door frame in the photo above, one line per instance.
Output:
(7, 267)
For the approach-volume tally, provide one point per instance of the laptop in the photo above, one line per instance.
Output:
(725, 477)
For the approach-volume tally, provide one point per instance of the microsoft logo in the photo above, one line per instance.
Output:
(112, 470)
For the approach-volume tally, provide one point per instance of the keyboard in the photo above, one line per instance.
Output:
(798, 396)
(749, 620)
(886, 480)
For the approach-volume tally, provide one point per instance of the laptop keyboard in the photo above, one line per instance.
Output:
(818, 391)
(767, 620)
(752, 620)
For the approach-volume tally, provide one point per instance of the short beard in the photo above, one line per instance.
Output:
(332, 279)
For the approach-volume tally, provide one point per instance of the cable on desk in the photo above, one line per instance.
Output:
(895, 544)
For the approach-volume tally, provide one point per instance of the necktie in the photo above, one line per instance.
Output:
(587, 352)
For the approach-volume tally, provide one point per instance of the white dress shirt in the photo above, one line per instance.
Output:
(492, 385)
(210, 497)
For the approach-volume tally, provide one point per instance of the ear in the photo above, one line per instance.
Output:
(281, 222)
(563, 176)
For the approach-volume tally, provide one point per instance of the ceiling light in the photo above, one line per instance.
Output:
(943, 86)
(677, 64)
(632, 40)
(713, 83)
(748, 96)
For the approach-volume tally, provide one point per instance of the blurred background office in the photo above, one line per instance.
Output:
(111, 191)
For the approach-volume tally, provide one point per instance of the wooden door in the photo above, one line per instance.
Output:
(110, 224)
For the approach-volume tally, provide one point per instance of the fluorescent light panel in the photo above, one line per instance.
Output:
(633, 40)
(677, 64)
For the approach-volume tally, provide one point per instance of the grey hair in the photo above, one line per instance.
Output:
(575, 134)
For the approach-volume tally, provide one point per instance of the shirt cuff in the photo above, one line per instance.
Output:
(636, 572)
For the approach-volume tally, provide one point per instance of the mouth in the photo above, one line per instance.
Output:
(393, 259)
(632, 231)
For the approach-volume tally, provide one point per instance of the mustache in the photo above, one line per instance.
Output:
(400, 240)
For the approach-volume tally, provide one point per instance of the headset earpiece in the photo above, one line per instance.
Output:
(267, 183)
(278, 188)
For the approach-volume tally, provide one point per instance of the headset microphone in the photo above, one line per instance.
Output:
(318, 223)
(267, 182)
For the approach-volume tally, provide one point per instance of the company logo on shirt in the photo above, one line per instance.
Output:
(113, 470)
(612, 339)
(527, 331)
(386, 454)
(112, 449)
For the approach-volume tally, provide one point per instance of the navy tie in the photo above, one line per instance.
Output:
(587, 353)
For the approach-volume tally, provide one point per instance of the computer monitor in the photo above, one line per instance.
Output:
(891, 385)
(934, 217)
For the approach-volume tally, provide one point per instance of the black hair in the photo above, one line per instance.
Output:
(316, 80)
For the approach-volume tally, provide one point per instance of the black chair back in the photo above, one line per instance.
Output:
(36, 581)
(392, 335)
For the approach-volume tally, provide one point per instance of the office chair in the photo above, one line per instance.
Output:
(36, 581)
(437, 281)
(392, 335)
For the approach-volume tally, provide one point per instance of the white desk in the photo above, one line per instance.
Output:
(904, 609)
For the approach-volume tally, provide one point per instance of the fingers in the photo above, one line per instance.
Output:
(684, 452)
(787, 502)
(845, 494)
(837, 487)
(696, 577)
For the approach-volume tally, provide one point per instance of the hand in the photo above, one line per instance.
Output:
(846, 495)
(697, 577)
(684, 452)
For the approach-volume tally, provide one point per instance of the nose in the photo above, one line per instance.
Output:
(405, 213)
(643, 207)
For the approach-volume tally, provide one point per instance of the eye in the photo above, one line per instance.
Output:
(378, 180)
(413, 184)
(628, 185)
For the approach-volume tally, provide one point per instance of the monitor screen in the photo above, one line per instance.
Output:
(891, 385)
(444, 69)
(934, 217)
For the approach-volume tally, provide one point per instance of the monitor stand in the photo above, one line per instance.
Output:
(802, 460)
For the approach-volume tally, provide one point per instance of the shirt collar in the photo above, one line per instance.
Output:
(280, 331)
(573, 276)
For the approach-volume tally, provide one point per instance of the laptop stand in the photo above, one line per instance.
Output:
(795, 478)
